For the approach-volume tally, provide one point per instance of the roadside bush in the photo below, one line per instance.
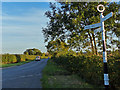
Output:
(20, 57)
(8, 58)
(11, 58)
(30, 57)
(114, 71)
(90, 68)
(45, 56)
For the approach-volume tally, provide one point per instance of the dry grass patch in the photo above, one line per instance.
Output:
(69, 81)
(55, 76)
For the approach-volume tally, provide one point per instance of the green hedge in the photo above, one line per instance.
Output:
(11, 58)
(90, 68)
(6, 58)
(15, 58)
(20, 57)
(30, 57)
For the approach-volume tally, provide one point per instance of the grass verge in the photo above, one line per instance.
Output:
(55, 76)
(14, 64)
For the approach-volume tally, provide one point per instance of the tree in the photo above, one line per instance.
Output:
(33, 52)
(56, 46)
(67, 23)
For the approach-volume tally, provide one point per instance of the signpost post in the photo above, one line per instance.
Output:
(101, 24)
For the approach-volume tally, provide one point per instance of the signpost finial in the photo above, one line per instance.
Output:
(102, 7)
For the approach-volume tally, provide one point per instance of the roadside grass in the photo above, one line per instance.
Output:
(14, 64)
(55, 76)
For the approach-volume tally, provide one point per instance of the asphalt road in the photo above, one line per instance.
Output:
(25, 76)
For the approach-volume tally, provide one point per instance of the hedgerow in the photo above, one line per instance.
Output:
(15, 58)
(90, 67)
(6, 58)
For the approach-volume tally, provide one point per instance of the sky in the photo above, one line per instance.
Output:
(22, 24)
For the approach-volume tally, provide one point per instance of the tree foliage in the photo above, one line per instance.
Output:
(67, 24)
(33, 52)
(56, 46)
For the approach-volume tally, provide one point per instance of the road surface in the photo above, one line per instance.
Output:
(25, 76)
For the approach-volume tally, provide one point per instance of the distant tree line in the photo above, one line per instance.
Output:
(34, 51)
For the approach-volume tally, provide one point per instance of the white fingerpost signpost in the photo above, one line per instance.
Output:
(101, 24)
